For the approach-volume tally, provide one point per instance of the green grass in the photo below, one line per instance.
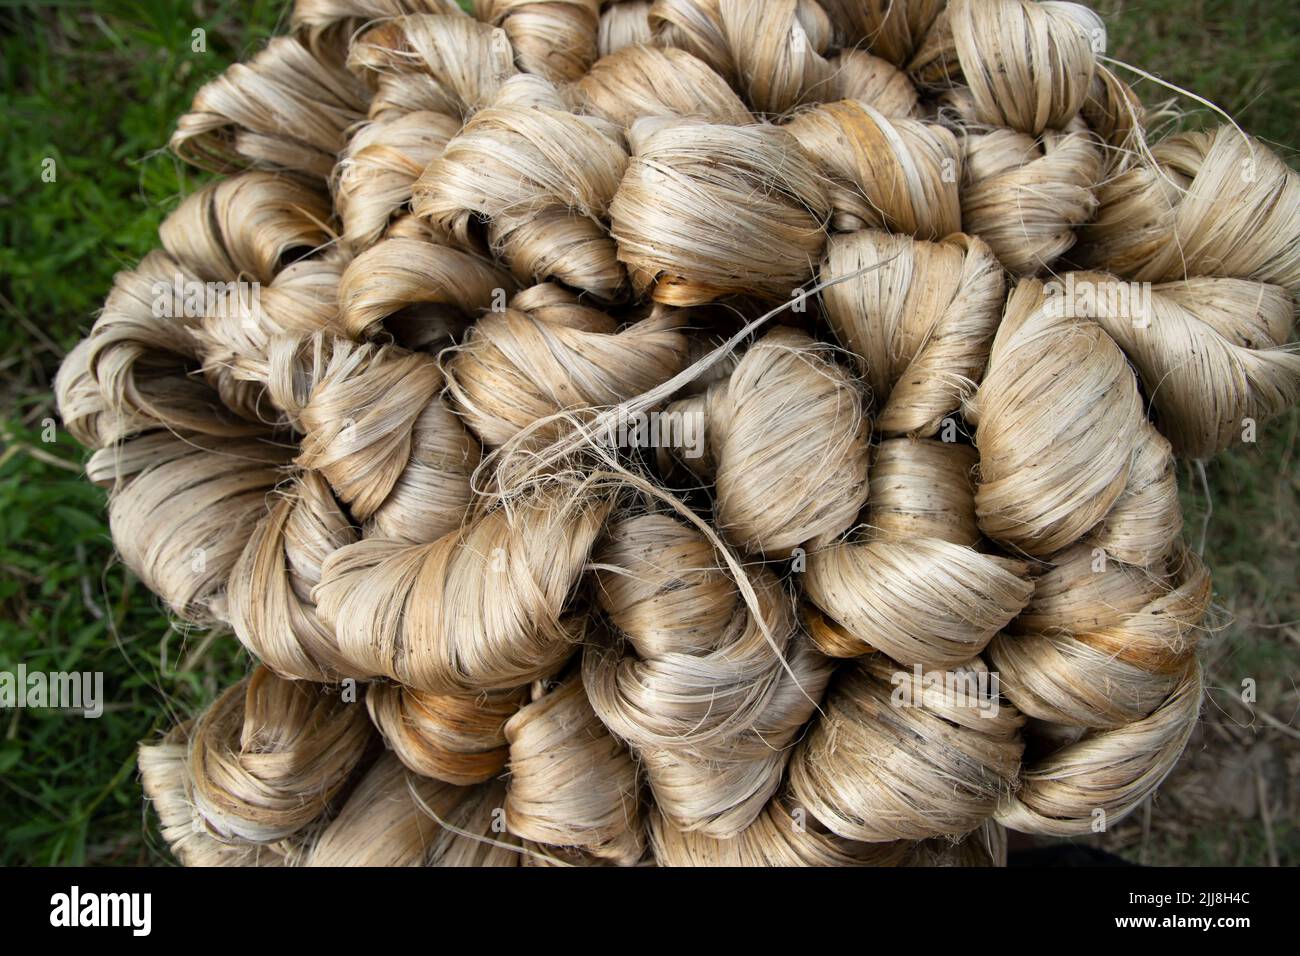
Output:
(98, 87)
(1239, 54)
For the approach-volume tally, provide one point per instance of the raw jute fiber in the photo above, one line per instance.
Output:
(688, 432)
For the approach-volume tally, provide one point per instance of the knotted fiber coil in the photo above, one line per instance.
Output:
(455, 402)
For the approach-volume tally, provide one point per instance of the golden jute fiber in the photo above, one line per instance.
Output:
(682, 432)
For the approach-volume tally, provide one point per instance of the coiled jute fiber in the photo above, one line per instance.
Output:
(927, 312)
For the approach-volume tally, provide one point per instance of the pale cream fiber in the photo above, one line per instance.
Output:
(874, 771)
(682, 432)
(708, 701)
(786, 439)
(165, 780)
(572, 784)
(268, 757)
(547, 352)
(919, 326)
(689, 229)
(457, 738)
(900, 174)
(481, 608)
(396, 818)
(911, 583)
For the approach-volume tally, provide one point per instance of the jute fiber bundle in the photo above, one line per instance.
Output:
(692, 432)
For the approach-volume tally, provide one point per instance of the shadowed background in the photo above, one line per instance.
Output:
(96, 87)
